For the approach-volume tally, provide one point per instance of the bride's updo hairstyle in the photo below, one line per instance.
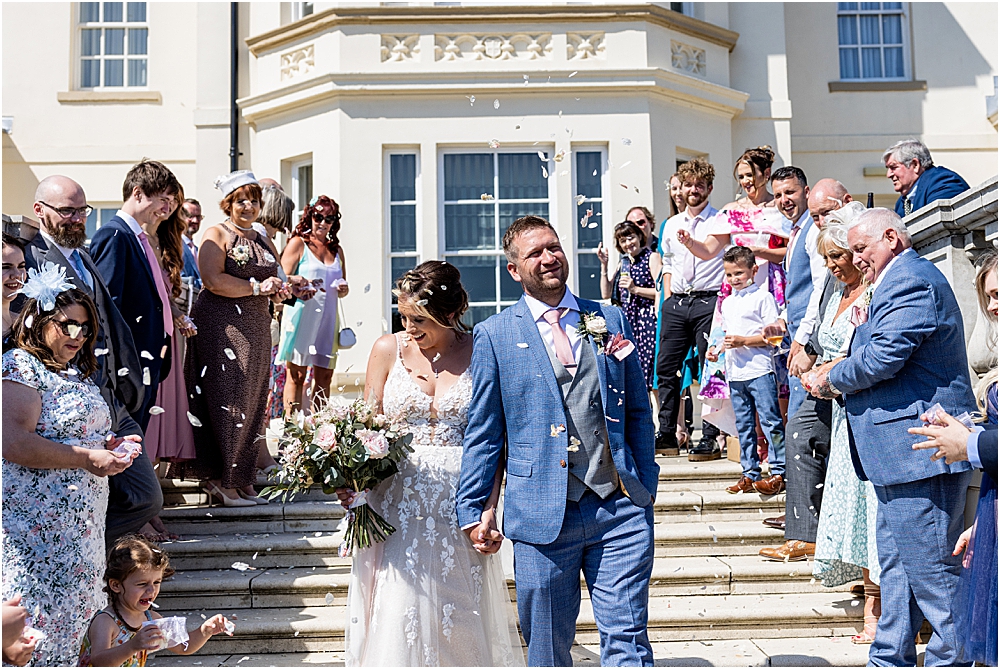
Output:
(760, 160)
(435, 291)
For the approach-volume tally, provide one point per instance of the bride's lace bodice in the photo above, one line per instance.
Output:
(425, 597)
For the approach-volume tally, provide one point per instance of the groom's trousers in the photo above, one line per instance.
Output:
(918, 526)
(611, 542)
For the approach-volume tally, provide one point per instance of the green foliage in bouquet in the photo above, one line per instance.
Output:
(342, 446)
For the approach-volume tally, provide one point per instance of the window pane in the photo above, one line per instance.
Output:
(90, 73)
(894, 61)
(510, 290)
(402, 177)
(90, 42)
(91, 224)
(137, 12)
(892, 29)
(849, 64)
(588, 184)
(469, 226)
(870, 6)
(114, 72)
(403, 228)
(847, 29)
(589, 274)
(847, 6)
(399, 267)
(137, 72)
(521, 177)
(305, 185)
(871, 63)
(114, 41)
(591, 234)
(477, 315)
(90, 11)
(892, 6)
(112, 12)
(869, 30)
(467, 176)
(307, 9)
(511, 211)
(137, 41)
(478, 276)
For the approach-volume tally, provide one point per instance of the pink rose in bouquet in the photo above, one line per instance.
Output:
(326, 437)
(375, 443)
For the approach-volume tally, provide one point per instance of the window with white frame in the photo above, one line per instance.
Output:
(101, 214)
(401, 204)
(300, 10)
(872, 40)
(483, 193)
(589, 176)
(114, 40)
(302, 186)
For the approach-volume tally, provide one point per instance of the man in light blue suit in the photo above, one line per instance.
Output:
(907, 355)
(564, 407)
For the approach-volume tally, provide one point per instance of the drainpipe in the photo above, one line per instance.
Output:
(234, 112)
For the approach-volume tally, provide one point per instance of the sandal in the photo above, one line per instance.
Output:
(873, 603)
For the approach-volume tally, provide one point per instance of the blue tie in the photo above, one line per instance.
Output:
(81, 271)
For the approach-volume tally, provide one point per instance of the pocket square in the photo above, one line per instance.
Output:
(619, 347)
(859, 316)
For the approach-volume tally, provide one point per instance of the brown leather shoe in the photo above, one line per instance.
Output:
(772, 485)
(790, 551)
(775, 523)
(743, 485)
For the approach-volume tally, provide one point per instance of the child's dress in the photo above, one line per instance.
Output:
(124, 636)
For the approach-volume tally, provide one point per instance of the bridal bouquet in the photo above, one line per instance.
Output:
(343, 446)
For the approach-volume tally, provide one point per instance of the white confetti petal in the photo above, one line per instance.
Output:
(146, 377)
(146, 354)
(496, 104)
(29, 320)
(155, 410)
(193, 419)
(240, 566)
(368, 287)
(98, 352)
(238, 310)
(571, 75)
(580, 199)
(521, 344)
(626, 141)
(123, 371)
(203, 370)
(486, 196)
(229, 353)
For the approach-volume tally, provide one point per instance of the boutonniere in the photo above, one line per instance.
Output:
(241, 254)
(619, 347)
(592, 328)
(268, 258)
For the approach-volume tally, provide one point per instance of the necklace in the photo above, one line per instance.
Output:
(240, 227)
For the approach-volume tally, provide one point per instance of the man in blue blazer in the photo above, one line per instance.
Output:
(907, 354)
(123, 250)
(559, 400)
(911, 170)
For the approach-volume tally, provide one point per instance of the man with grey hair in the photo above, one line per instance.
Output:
(911, 170)
(907, 354)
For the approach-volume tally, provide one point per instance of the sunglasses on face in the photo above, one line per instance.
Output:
(73, 329)
(331, 218)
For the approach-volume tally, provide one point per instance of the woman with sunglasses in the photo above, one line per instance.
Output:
(58, 451)
(309, 329)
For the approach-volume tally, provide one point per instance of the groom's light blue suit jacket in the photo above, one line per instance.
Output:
(908, 356)
(517, 402)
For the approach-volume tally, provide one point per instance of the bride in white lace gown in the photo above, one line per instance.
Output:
(425, 596)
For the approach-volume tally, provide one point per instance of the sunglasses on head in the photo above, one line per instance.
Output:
(73, 329)
(330, 218)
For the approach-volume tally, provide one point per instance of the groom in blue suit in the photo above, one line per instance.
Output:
(906, 355)
(559, 399)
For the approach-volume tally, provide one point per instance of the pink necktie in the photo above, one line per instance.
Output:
(564, 352)
(161, 288)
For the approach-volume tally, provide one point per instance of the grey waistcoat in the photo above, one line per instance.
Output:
(591, 465)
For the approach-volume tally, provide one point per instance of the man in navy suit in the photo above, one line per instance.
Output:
(192, 210)
(564, 409)
(123, 250)
(61, 207)
(907, 353)
(911, 170)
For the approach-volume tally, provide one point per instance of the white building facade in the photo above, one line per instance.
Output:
(434, 126)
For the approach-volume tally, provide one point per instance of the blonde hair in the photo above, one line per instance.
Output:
(988, 263)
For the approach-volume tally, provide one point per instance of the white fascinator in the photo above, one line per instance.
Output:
(46, 284)
(840, 221)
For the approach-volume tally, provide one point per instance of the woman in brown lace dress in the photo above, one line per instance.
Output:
(228, 363)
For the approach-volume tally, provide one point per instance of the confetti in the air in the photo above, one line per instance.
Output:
(626, 141)
(147, 379)
(229, 353)
(494, 144)
(471, 99)
(571, 75)
(155, 410)
(123, 371)
(486, 197)
(545, 173)
(580, 199)
(193, 419)
(146, 354)
(496, 104)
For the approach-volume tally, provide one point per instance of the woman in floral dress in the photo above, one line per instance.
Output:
(56, 459)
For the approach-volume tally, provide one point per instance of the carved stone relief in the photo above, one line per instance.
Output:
(399, 48)
(687, 58)
(492, 47)
(583, 47)
(298, 62)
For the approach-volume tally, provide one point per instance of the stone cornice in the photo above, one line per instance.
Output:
(488, 15)
(678, 88)
(971, 211)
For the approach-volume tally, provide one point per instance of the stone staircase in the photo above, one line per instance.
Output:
(713, 602)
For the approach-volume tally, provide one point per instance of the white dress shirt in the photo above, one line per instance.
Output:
(708, 274)
(745, 313)
(569, 319)
(817, 268)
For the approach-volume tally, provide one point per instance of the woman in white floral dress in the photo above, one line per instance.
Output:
(426, 597)
(56, 459)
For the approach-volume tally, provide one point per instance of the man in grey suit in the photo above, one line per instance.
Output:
(61, 206)
(908, 353)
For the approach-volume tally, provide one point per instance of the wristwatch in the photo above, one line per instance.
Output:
(255, 286)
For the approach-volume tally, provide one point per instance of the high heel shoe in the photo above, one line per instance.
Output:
(213, 491)
(256, 499)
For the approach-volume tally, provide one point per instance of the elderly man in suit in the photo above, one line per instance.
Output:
(123, 251)
(557, 383)
(61, 208)
(908, 353)
(914, 176)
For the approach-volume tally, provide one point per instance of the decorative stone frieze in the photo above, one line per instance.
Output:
(400, 48)
(486, 46)
(687, 58)
(298, 62)
(583, 47)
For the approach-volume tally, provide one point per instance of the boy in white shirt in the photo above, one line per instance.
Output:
(750, 372)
